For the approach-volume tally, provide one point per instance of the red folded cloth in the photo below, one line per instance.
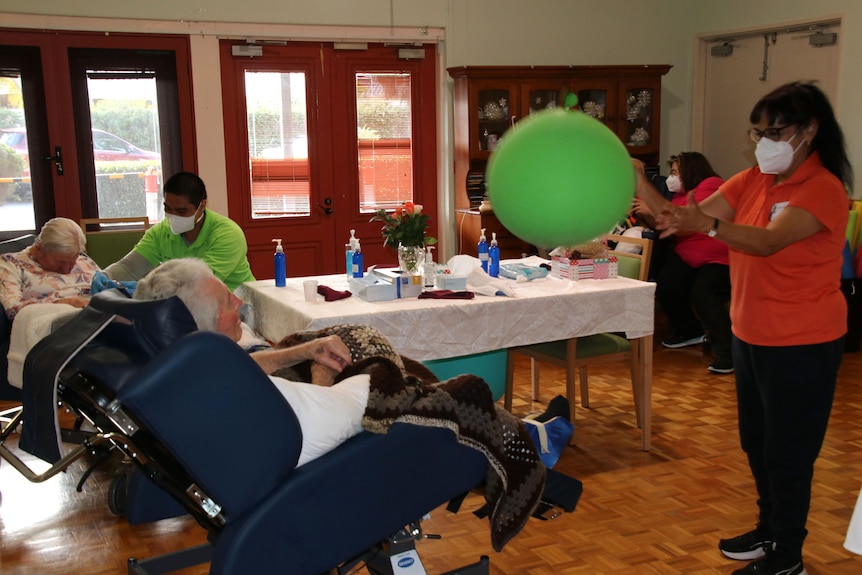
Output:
(330, 294)
(446, 294)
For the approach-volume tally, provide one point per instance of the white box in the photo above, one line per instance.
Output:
(405, 285)
(371, 288)
(450, 282)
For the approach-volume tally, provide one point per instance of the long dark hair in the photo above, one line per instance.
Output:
(693, 169)
(799, 103)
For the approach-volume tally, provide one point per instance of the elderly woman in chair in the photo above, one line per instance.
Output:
(54, 269)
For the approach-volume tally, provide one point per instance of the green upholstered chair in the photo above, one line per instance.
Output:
(109, 239)
(575, 355)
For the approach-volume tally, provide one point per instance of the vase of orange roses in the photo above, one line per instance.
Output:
(404, 230)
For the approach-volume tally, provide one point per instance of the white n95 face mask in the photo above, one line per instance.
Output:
(774, 157)
(182, 224)
(673, 183)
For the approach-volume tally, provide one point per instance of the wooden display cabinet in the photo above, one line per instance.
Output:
(490, 100)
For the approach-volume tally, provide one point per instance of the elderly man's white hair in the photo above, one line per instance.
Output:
(187, 279)
(61, 236)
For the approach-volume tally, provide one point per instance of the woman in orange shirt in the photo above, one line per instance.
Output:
(784, 223)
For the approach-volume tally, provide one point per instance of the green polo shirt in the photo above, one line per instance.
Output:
(221, 245)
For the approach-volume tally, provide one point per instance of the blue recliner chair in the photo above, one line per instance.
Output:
(205, 425)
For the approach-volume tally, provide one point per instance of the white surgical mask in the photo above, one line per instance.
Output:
(674, 184)
(774, 157)
(182, 224)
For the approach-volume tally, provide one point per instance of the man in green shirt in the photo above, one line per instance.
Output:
(188, 230)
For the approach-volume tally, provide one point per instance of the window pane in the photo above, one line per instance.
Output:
(384, 140)
(278, 144)
(16, 195)
(125, 123)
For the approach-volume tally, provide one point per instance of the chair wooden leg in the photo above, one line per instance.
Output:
(571, 377)
(585, 387)
(510, 380)
(534, 378)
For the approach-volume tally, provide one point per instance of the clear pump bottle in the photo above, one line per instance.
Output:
(429, 268)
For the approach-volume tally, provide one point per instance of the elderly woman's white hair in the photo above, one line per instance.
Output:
(61, 236)
(187, 279)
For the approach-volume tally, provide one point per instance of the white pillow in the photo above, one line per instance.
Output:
(627, 247)
(328, 416)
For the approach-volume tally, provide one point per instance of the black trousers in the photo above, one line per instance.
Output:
(784, 399)
(695, 299)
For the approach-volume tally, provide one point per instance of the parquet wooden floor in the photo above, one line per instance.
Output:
(658, 512)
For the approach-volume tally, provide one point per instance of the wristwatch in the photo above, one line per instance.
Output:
(712, 232)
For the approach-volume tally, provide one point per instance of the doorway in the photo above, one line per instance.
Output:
(318, 137)
(738, 69)
(88, 125)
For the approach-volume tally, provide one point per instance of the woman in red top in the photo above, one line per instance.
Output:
(693, 282)
(784, 221)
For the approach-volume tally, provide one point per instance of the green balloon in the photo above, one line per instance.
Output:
(559, 179)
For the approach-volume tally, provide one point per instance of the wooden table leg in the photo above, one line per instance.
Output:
(645, 367)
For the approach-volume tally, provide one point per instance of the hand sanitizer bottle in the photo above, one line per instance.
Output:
(429, 268)
(483, 251)
(494, 257)
(348, 252)
(357, 266)
(280, 264)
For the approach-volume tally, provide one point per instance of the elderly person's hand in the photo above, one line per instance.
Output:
(80, 301)
(329, 351)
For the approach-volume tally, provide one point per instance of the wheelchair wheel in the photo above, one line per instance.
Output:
(117, 494)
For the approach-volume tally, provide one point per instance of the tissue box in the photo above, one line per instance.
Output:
(586, 268)
(370, 288)
(450, 282)
(404, 284)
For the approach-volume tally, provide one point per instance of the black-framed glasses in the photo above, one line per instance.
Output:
(773, 134)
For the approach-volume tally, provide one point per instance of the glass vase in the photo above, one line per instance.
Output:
(411, 258)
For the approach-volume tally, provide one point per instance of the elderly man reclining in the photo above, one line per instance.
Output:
(373, 392)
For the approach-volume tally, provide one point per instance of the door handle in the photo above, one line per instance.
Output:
(326, 209)
(57, 158)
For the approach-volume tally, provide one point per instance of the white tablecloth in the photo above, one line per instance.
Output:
(542, 310)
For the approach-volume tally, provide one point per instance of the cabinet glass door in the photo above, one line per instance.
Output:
(594, 103)
(543, 99)
(639, 127)
(494, 108)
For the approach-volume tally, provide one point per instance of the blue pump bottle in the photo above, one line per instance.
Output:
(494, 257)
(483, 251)
(280, 264)
(357, 266)
(348, 252)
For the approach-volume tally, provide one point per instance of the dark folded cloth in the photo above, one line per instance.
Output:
(446, 294)
(330, 294)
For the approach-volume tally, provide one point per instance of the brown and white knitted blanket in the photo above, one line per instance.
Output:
(402, 390)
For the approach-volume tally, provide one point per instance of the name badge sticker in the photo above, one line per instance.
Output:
(776, 209)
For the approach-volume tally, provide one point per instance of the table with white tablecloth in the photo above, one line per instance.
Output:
(542, 310)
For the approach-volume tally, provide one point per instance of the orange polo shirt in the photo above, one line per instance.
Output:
(792, 297)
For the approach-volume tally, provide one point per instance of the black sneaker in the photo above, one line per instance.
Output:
(773, 564)
(683, 341)
(721, 366)
(751, 545)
